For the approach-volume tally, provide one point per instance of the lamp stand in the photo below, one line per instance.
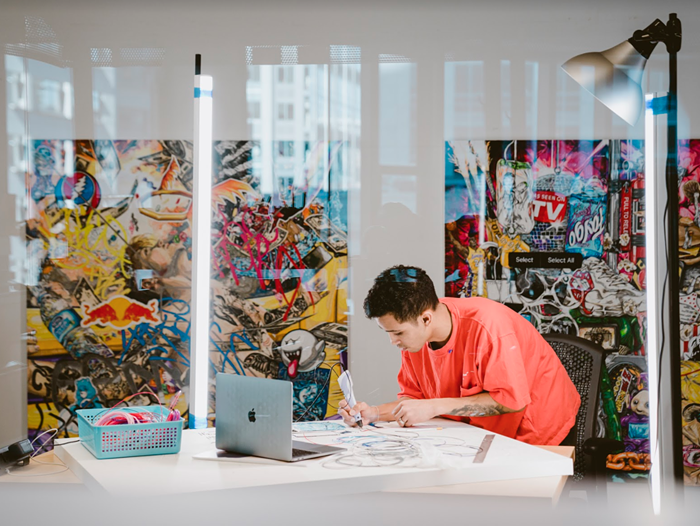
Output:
(673, 43)
(644, 41)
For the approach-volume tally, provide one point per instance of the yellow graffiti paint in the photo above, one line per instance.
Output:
(44, 415)
(47, 344)
(690, 381)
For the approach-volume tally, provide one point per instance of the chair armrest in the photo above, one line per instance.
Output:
(599, 449)
(601, 446)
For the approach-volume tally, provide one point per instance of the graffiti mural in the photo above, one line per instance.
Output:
(689, 256)
(576, 208)
(690, 388)
(100, 336)
(110, 254)
(279, 277)
(629, 388)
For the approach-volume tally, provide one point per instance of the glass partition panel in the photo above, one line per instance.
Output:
(280, 226)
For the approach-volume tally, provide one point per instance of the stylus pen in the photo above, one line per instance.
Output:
(358, 420)
(345, 383)
(358, 416)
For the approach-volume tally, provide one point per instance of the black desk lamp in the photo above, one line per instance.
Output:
(614, 77)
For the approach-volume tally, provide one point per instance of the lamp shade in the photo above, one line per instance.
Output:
(613, 77)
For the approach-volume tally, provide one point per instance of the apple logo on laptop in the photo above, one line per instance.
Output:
(251, 415)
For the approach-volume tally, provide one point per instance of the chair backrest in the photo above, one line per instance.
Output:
(583, 361)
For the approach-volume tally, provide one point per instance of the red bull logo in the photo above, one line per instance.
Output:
(121, 313)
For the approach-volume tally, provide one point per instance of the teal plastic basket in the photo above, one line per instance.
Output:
(129, 440)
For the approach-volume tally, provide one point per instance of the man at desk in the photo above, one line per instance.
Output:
(472, 359)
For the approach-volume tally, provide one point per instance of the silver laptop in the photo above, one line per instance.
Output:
(254, 417)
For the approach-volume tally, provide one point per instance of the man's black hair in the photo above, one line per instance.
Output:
(404, 292)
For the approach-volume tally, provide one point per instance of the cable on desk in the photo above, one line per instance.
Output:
(128, 415)
(104, 417)
(111, 416)
(32, 459)
(65, 468)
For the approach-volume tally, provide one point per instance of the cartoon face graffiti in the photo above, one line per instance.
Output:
(640, 403)
(85, 394)
(301, 351)
(515, 194)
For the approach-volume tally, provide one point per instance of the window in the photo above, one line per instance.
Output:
(254, 110)
(16, 87)
(397, 113)
(285, 111)
(285, 148)
(50, 96)
(254, 73)
(285, 74)
(464, 99)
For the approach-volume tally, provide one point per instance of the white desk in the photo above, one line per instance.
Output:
(544, 489)
(179, 474)
(48, 472)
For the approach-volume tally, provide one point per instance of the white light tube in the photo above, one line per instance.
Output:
(201, 255)
(654, 307)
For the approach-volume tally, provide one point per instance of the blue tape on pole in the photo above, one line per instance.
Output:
(197, 422)
(199, 93)
(658, 105)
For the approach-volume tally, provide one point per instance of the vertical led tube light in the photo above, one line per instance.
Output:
(654, 307)
(201, 248)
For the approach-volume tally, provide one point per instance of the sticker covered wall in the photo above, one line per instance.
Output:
(109, 262)
(555, 230)
(689, 256)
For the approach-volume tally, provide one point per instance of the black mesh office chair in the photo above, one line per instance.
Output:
(583, 361)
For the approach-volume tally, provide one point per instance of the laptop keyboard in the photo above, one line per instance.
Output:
(301, 452)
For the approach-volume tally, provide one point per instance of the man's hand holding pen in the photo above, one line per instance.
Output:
(369, 413)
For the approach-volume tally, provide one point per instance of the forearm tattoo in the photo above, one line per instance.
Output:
(479, 410)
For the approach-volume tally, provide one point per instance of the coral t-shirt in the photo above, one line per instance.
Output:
(494, 349)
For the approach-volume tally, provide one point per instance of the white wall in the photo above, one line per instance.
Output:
(514, 90)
